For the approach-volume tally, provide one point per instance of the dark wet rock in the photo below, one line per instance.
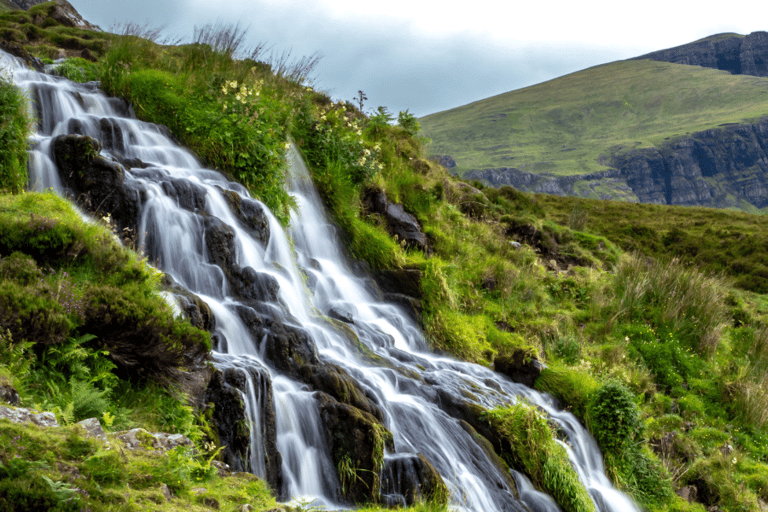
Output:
(400, 224)
(411, 478)
(343, 312)
(220, 242)
(291, 351)
(19, 51)
(250, 284)
(521, 366)
(133, 163)
(405, 281)
(232, 425)
(336, 382)
(411, 306)
(357, 442)
(198, 312)
(404, 226)
(99, 184)
(250, 213)
(196, 309)
(189, 195)
(112, 135)
(9, 395)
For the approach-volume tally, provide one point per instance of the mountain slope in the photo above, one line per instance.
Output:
(737, 54)
(581, 123)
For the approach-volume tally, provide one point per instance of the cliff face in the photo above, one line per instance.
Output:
(719, 168)
(738, 55)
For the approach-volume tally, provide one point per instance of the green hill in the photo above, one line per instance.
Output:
(575, 123)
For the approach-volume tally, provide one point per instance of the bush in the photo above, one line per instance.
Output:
(613, 417)
(14, 127)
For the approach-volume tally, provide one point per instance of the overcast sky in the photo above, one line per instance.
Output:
(427, 55)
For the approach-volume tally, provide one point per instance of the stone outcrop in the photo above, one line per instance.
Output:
(738, 55)
(521, 366)
(400, 224)
(99, 184)
(357, 442)
(63, 12)
(716, 168)
(225, 392)
(410, 478)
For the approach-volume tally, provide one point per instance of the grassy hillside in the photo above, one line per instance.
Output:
(664, 361)
(570, 124)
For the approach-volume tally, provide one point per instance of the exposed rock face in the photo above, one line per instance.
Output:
(702, 169)
(63, 12)
(357, 441)
(99, 183)
(408, 479)
(522, 366)
(400, 223)
(446, 161)
(738, 55)
(231, 422)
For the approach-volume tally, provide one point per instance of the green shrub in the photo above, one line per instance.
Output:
(613, 417)
(641, 474)
(14, 128)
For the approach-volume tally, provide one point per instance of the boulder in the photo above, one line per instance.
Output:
(357, 442)
(99, 184)
(252, 285)
(521, 366)
(251, 213)
(9, 395)
(23, 415)
(220, 243)
(233, 426)
(410, 478)
(400, 224)
(189, 195)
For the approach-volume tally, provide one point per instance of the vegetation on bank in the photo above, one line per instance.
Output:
(663, 360)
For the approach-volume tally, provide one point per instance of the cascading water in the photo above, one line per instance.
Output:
(296, 288)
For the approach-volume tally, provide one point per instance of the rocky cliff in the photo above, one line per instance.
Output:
(739, 55)
(721, 168)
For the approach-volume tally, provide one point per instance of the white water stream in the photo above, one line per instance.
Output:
(313, 278)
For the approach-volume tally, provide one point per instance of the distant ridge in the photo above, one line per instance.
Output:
(737, 54)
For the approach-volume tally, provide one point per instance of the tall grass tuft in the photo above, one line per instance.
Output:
(534, 450)
(674, 295)
(746, 393)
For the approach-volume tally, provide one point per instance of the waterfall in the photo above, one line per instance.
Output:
(273, 290)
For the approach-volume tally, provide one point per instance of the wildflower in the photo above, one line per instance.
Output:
(734, 460)
(233, 84)
(287, 145)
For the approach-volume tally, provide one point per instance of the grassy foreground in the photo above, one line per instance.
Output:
(663, 359)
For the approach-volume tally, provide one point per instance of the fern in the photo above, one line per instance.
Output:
(88, 401)
(16, 357)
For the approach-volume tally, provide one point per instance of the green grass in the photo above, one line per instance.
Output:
(564, 125)
(723, 242)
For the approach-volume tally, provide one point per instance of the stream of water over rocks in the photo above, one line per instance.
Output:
(332, 377)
